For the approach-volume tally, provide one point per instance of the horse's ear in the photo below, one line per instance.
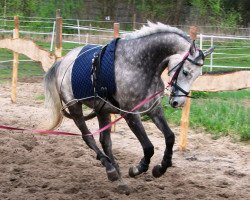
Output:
(192, 48)
(209, 51)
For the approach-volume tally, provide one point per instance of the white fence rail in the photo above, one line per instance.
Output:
(226, 47)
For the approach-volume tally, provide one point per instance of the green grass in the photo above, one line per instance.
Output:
(231, 95)
(221, 118)
(221, 114)
(66, 46)
(40, 97)
(26, 69)
(226, 55)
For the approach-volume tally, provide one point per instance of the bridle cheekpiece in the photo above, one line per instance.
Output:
(173, 82)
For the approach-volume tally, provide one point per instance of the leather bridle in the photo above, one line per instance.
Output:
(173, 82)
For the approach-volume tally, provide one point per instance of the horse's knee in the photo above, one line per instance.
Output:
(170, 138)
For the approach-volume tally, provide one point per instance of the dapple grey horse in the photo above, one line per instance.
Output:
(140, 59)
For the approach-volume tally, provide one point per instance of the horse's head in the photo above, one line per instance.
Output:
(184, 70)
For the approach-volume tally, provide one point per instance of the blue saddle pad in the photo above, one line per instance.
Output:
(82, 85)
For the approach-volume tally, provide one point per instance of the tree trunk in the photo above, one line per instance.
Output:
(178, 13)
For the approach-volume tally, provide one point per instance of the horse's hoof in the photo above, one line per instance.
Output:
(133, 171)
(112, 175)
(122, 188)
(157, 171)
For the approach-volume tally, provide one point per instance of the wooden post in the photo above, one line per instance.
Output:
(58, 48)
(116, 30)
(16, 30)
(116, 35)
(134, 21)
(79, 31)
(186, 109)
(4, 13)
(15, 62)
(193, 32)
(185, 124)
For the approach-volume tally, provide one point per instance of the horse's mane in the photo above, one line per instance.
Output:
(152, 28)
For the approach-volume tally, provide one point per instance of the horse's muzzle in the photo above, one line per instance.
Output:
(173, 103)
(176, 102)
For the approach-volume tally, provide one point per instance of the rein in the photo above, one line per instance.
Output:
(172, 83)
(146, 100)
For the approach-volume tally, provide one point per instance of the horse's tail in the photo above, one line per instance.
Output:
(52, 98)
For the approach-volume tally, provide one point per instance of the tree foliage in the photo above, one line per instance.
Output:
(214, 12)
(202, 12)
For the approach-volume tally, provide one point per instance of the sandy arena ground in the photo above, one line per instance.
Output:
(35, 166)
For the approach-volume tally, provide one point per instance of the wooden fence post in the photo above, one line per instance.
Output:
(15, 62)
(116, 30)
(116, 35)
(186, 109)
(58, 47)
(134, 21)
(185, 124)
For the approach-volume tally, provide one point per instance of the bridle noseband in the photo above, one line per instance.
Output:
(178, 67)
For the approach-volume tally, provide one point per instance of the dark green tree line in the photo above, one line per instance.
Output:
(202, 12)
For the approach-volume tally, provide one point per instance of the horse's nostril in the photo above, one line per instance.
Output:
(175, 103)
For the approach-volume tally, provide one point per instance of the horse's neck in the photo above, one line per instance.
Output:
(151, 50)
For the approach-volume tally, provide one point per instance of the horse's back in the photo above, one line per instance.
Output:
(68, 61)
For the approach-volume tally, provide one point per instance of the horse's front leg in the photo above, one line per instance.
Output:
(136, 126)
(158, 118)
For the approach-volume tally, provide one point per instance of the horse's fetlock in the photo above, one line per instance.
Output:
(149, 151)
(166, 163)
(143, 165)
(98, 157)
(103, 158)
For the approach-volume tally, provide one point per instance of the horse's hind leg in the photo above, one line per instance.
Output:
(105, 139)
(136, 126)
(77, 115)
(158, 118)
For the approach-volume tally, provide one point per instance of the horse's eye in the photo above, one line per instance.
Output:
(185, 73)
